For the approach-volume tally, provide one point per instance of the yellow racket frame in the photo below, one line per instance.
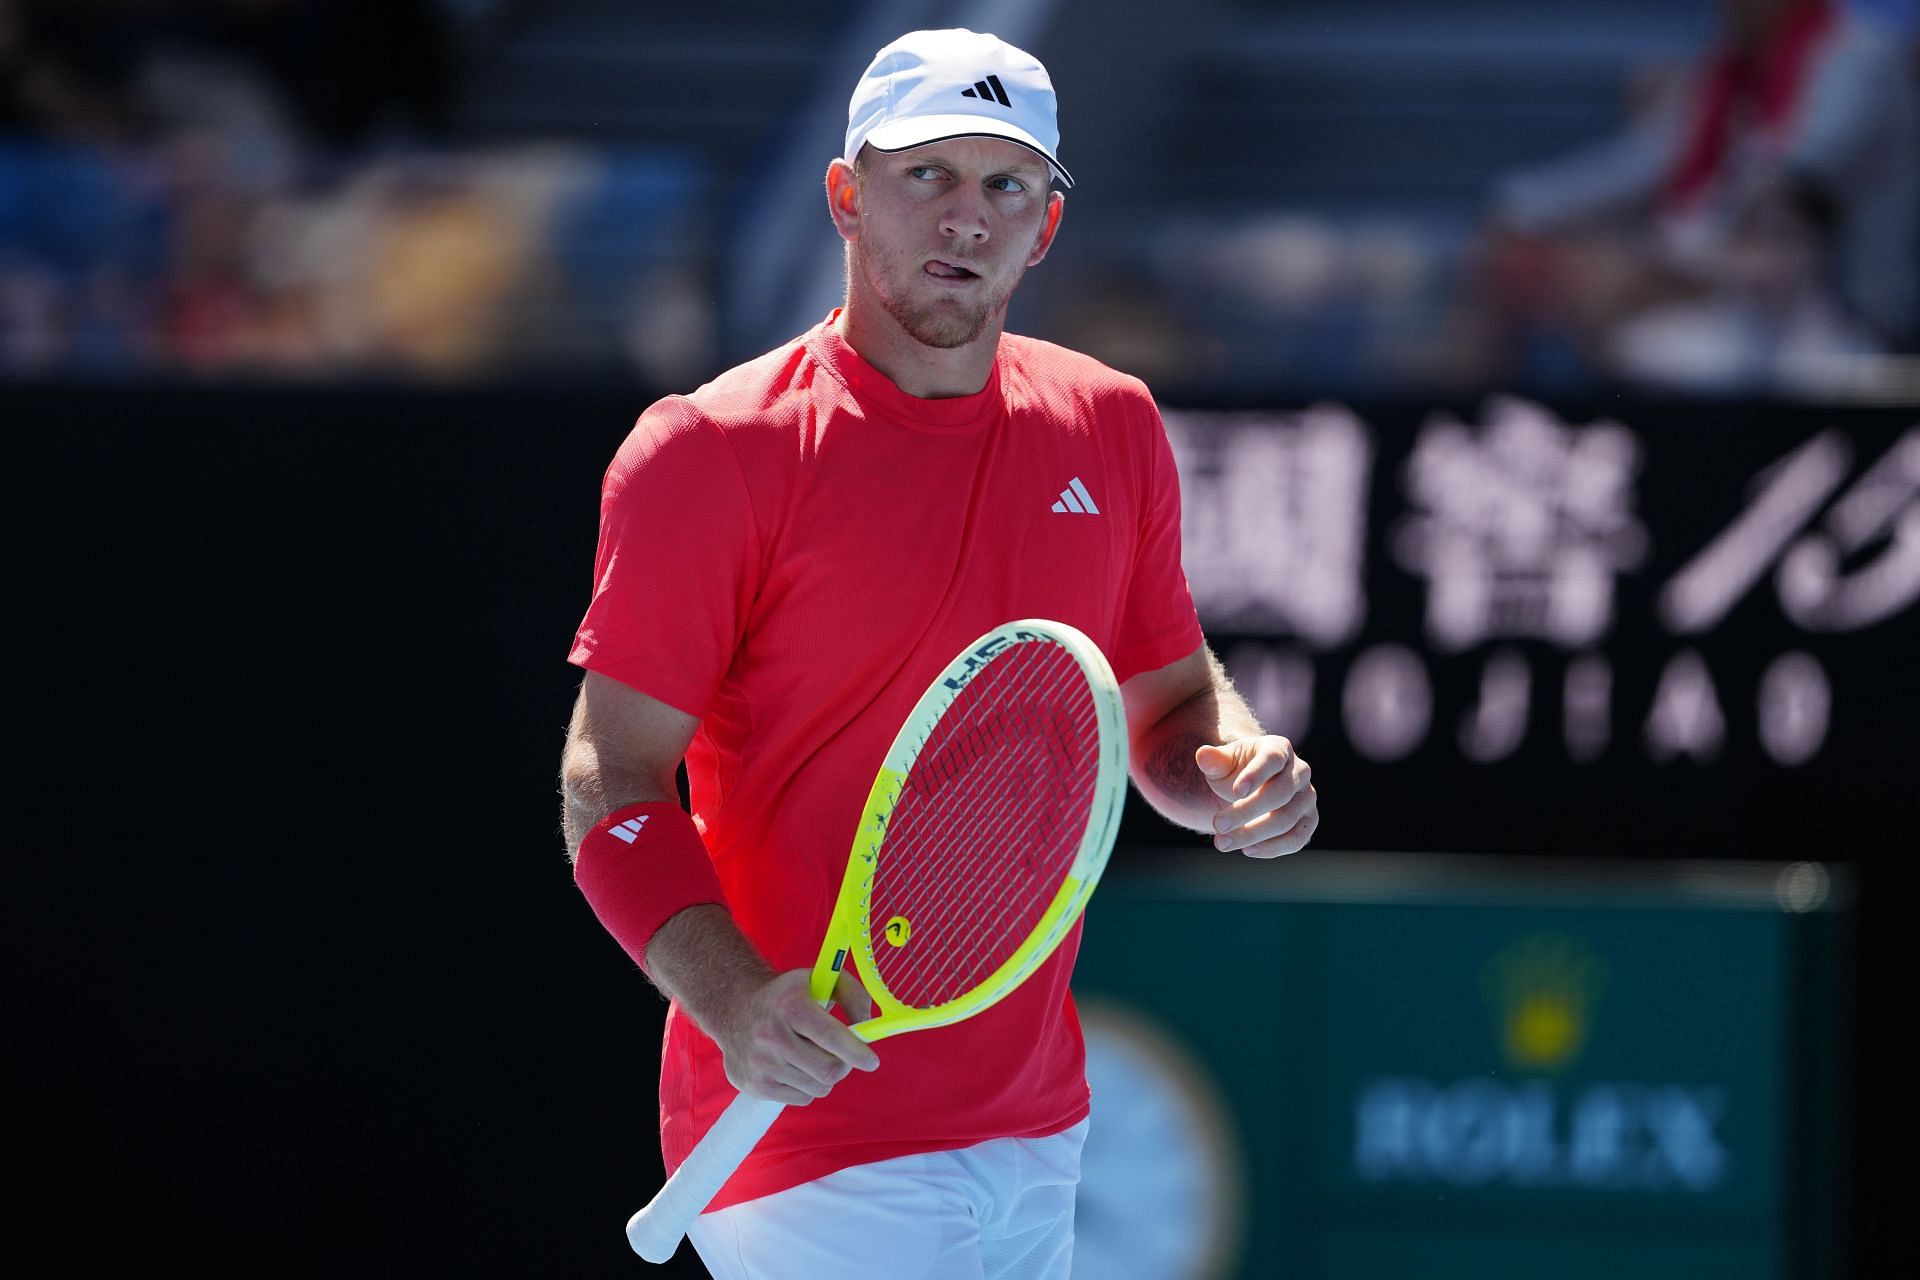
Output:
(849, 933)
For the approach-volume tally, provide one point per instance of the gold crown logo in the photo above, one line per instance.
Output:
(1542, 988)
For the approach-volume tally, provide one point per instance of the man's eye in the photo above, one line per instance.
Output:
(1004, 183)
(924, 172)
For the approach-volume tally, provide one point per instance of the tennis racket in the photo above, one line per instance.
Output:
(983, 836)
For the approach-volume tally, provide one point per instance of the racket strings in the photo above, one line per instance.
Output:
(976, 731)
(1039, 856)
(1000, 796)
(990, 817)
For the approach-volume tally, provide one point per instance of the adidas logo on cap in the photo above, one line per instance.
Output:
(929, 86)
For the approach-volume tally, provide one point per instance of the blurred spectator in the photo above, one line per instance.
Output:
(1764, 200)
(446, 267)
(206, 307)
(1771, 320)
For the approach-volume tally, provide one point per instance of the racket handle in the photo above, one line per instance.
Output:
(656, 1231)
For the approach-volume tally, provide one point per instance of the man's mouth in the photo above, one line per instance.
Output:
(944, 270)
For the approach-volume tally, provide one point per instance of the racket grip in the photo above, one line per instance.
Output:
(656, 1231)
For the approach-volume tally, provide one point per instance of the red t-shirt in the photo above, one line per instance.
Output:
(791, 554)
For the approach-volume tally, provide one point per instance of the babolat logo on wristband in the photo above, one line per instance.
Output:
(629, 830)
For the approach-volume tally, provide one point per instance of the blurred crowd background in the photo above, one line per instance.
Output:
(1693, 196)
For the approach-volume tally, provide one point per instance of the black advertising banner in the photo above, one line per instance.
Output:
(1656, 628)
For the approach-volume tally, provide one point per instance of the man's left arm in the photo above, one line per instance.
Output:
(1203, 761)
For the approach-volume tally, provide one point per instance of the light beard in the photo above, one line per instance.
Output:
(943, 329)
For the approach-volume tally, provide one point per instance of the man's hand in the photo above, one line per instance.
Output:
(779, 1044)
(1267, 806)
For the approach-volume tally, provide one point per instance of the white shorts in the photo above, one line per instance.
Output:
(1002, 1210)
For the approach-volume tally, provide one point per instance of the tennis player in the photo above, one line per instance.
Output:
(774, 549)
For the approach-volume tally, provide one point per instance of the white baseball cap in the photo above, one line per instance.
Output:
(928, 86)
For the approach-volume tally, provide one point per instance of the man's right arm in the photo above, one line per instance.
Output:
(624, 748)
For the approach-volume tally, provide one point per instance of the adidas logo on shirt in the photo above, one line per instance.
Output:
(630, 829)
(1075, 500)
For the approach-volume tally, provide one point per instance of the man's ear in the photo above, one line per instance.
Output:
(1056, 205)
(843, 199)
